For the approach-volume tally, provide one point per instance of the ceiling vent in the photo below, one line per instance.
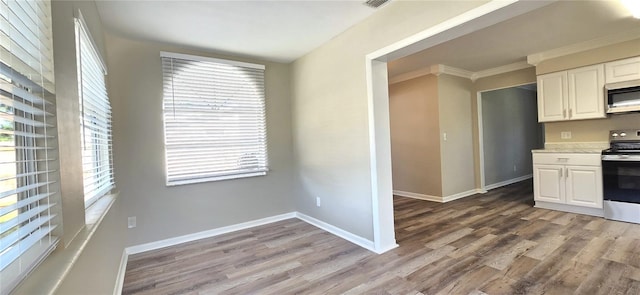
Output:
(375, 3)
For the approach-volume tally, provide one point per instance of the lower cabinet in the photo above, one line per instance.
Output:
(568, 179)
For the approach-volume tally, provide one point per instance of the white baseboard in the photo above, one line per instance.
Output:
(461, 195)
(507, 182)
(437, 198)
(206, 234)
(417, 196)
(385, 249)
(358, 240)
(121, 272)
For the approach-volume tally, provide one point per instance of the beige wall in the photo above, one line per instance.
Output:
(456, 121)
(519, 77)
(135, 85)
(415, 136)
(96, 269)
(330, 112)
(590, 130)
(422, 110)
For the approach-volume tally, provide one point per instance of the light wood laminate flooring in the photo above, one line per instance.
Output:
(494, 243)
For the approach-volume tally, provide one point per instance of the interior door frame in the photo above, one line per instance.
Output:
(483, 184)
(381, 188)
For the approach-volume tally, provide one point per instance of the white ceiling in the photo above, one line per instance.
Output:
(286, 30)
(550, 27)
(273, 30)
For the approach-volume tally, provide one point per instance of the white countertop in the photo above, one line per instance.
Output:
(573, 147)
(569, 150)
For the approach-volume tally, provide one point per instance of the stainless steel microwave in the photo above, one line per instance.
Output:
(623, 97)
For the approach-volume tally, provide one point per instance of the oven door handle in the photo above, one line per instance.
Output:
(627, 158)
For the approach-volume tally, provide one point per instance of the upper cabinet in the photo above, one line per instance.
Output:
(552, 97)
(586, 93)
(571, 95)
(623, 70)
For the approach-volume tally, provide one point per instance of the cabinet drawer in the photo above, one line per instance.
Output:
(567, 159)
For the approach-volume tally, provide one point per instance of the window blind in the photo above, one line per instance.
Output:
(214, 119)
(28, 171)
(95, 118)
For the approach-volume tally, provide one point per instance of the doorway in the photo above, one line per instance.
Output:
(378, 102)
(508, 130)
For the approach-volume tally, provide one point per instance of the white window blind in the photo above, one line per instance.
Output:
(214, 119)
(95, 118)
(28, 166)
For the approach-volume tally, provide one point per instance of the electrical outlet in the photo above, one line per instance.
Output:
(318, 201)
(515, 168)
(131, 222)
(565, 134)
(444, 136)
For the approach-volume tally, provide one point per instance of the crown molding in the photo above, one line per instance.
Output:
(410, 75)
(500, 70)
(473, 76)
(536, 58)
(436, 70)
(443, 69)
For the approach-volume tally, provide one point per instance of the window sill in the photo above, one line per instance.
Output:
(47, 277)
(215, 178)
(94, 214)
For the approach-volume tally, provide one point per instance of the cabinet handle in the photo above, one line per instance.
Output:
(569, 112)
(566, 173)
(564, 113)
(561, 172)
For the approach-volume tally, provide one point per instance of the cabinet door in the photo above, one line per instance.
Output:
(622, 70)
(548, 183)
(586, 93)
(552, 97)
(584, 186)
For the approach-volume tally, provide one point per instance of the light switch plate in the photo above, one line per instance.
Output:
(565, 134)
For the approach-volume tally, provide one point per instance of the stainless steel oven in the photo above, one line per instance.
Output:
(621, 176)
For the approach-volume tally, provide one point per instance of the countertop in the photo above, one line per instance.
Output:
(569, 150)
(574, 147)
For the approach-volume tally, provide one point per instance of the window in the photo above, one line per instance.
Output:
(95, 118)
(214, 119)
(28, 166)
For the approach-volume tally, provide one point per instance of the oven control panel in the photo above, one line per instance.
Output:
(624, 135)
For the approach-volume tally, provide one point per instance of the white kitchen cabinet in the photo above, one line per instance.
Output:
(549, 185)
(571, 95)
(571, 181)
(552, 97)
(584, 186)
(586, 93)
(622, 70)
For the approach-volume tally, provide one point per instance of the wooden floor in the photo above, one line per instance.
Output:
(495, 243)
